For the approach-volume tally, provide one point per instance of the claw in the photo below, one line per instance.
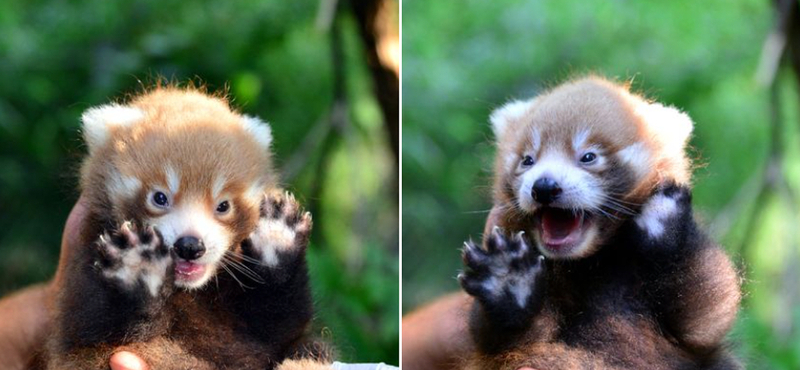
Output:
(474, 257)
(126, 227)
(471, 286)
(523, 246)
(467, 245)
(539, 262)
(496, 242)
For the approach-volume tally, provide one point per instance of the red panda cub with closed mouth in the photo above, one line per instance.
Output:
(190, 256)
(591, 256)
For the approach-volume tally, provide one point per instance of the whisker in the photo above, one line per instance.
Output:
(245, 268)
(244, 257)
(617, 208)
(238, 266)
(222, 264)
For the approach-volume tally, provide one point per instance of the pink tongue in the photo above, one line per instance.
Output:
(187, 268)
(558, 224)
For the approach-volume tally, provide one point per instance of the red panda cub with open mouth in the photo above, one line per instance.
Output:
(191, 257)
(591, 257)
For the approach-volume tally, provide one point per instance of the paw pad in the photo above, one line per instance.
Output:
(133, 256)
(508, 268)
(667, 202)
(284, 228)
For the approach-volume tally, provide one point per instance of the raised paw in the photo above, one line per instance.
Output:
(508, 271)
(134, 257)
(282, 231)
(665, 211)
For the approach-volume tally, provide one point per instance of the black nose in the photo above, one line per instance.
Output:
(545, 190)
(189, 248)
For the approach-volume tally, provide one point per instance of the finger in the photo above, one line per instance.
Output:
(70, 240)
(127, 361)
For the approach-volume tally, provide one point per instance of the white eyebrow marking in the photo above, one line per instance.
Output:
(219, 184)
(536, 139)
(580, 139)
(173, 179)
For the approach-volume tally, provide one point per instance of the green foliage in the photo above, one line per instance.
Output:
(59, 58)
(462, 59)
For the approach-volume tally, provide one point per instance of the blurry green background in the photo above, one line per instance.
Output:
(461, 59)
(57, 58)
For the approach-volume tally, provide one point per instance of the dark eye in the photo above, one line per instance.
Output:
(160, 199)
(223, 207)
(588, 158)
(527, 161)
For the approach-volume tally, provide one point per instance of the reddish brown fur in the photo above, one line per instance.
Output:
(208, 133)
(202, 137)
(598, 312)
(609, 111)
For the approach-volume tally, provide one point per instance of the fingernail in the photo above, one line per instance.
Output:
(126, 361)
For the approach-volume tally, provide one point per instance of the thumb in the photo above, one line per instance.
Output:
(127, 361)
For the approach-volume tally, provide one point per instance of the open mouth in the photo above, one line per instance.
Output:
(561, 230)
(188, 272)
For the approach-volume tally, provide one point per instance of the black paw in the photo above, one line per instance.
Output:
(133, 257)
(664, 212)
(506, 274)
(282, 232)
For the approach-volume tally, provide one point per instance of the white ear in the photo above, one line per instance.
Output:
(668, 125)
(511, 111)
(97, 122)
(259, 129)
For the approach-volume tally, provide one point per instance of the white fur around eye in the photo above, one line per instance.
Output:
(598, 161)
(97, 122)
(156, 208)
(227, 212)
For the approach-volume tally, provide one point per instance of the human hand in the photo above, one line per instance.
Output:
(435, 335)
(70, 240)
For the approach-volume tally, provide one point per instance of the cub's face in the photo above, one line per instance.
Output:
(575, 163)
(577, 187)
(185, 165)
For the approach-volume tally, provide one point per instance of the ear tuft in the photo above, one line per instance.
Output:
(511, 111)
(669, 126)
(97, 122)
(259, 129)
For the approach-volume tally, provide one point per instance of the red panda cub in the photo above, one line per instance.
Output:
(191, 257)
(591, 257)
